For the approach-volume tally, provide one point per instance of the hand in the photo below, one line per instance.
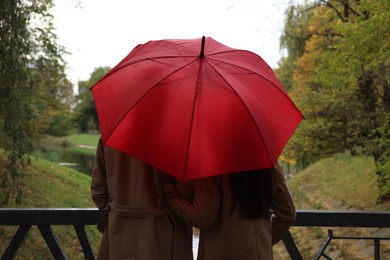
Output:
(167, 187)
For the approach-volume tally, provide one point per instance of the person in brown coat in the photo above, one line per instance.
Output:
(135, 222)
(240, 216)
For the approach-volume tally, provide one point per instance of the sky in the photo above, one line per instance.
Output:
(101, 32)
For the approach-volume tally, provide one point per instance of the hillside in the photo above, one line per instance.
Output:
(48, 185)
(340, 182)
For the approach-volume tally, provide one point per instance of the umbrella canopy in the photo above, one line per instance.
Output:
(195, 108)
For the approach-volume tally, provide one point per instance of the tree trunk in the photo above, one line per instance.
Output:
(374, 130)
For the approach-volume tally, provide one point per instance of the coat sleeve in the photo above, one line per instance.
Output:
(99, 190)
(203, 211)
(282, 206)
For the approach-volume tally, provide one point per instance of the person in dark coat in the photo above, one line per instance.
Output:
(240, 216)
(135, 221)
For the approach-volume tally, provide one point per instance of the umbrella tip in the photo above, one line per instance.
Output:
(201, 55)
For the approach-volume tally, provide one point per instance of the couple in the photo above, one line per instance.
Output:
(146, 214)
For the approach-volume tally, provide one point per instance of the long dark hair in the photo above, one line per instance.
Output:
(252, 191)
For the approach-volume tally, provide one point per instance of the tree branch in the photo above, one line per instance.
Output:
(347, 7)
(327, 3)
(308, 36)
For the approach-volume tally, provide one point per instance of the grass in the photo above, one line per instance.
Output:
(340, 182)
(83, 139)
(48, 185)
(51, 186)
(72, 186)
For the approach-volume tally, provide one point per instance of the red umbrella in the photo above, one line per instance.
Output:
(195, 108)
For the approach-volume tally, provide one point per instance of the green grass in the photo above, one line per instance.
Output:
(72, 186)
(83, 139)
(340, 182)
(48, 185)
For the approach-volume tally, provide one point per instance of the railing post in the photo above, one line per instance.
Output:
(52, 242)
(84, 242)
(291, 247)
(325, 245)
(376, 249)
(15, 242)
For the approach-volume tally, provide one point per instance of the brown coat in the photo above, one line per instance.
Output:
(129, 193)
(225, 235)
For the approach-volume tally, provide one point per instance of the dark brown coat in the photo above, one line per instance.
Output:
(135, 223)
(228, 236)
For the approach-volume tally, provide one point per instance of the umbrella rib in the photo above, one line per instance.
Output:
(117, 68)
(155, 84)
(246, 107)
(234, 65)
(192, 118)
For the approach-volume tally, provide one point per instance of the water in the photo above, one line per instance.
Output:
(66, 157)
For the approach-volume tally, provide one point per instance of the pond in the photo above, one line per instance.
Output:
(68, 157)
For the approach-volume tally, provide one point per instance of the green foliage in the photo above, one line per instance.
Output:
(34, 91)
(15, 110)
(53, 96)
(340, 80)
(295, 31)
(59, 123)
(85, 112)
(383, 161)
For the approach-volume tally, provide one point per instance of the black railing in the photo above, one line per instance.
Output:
(45, 218)
(326, 218)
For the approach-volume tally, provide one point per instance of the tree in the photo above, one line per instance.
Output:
(293, 41)
(365, 29)
(53, 97)
(341, 79)
(30, 71)
(85, 112)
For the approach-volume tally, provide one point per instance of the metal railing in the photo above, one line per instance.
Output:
(327, 218)
(45, 218)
